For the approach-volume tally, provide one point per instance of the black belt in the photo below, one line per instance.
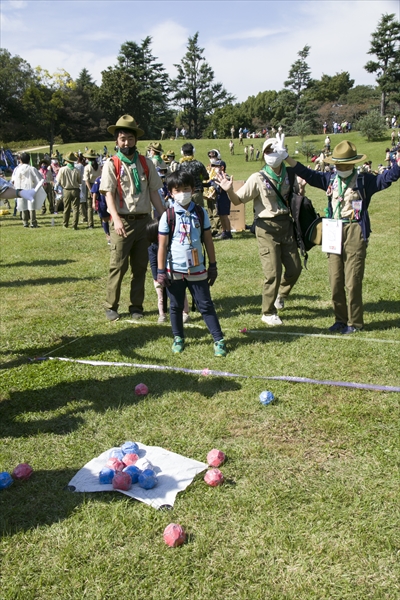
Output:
(133, 217)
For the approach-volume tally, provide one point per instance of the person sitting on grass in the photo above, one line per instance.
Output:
(181, 264)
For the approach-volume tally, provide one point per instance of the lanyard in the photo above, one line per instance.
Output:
(186, 228)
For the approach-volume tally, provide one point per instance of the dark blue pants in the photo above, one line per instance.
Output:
(200, 291)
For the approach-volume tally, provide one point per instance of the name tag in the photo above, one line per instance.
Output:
(332, 236)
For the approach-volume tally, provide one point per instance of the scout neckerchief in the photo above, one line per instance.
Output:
(71, 166)
(157, 157)
(136, 178)
(342, 188)
(186, 159)
(279, 179)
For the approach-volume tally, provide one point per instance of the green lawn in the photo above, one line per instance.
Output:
(310, 507)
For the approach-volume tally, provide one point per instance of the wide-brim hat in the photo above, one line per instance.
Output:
(171, 153)
(345, 153)
(70, 157)
(90, 154)
(126, 122)
(44, 160)
(156, 146)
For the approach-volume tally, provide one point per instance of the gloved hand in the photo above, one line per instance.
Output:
(282, 153)
(27, 194)
(212, 273)
(162, 278)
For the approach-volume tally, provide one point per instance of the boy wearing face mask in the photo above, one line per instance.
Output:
(349, 206)
(182, 265)
(277, 246)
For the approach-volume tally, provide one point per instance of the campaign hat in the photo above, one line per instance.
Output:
(156, 146)
(90, 154)
(126, 122)
(70, 157)
(345, 153)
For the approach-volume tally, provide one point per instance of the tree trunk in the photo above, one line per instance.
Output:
(383, 104)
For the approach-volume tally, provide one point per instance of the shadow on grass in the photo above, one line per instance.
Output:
(42, 500)
(39, 263)
(60, 408)
(45, 281)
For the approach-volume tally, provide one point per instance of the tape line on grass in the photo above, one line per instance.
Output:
(346, 384)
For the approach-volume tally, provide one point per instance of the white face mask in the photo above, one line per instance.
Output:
(183, 198)
(344, 174)
(273, 160)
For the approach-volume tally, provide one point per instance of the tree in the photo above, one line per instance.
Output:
(385, 45)
(331, 88)
(301, 127)
(16, 75)
(194, 89)
(137, 85)
(45, 99)
(299, 76)
(372, 126)
(307, 149)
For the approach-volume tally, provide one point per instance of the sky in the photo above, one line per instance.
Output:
(249, 44)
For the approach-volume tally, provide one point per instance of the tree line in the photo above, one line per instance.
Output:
(35, 104)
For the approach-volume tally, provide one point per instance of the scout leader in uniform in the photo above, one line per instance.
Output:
(349, 195)
(130, 184)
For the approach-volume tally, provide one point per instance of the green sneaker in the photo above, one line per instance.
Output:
(178, 345)
(220, 348)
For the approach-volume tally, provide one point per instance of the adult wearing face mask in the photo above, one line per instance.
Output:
(277, 246)
(349, 206)
(129, 193)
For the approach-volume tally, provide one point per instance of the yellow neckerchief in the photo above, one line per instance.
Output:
(186, 159)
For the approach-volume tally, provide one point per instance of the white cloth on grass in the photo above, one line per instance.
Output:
(174, 473)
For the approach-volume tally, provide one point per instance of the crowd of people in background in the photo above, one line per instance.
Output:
(130, 190)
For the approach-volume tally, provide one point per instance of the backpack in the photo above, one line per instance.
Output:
(171, 220)
(117, 166)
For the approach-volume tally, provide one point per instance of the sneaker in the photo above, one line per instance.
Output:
(26, 224)
(225, 235)
(186, 317)
(279, 303)
(178, 345)
(349, 329)
(136, 316)
(338, 326)
(271, 320)
(111, 314)
(162, 319)
(220, 348)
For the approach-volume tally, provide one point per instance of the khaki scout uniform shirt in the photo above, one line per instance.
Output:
(132, 201)
(346, 208)
(90, 174)
(265, 199)
(69, 179)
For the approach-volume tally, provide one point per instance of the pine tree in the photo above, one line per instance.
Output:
(299, 76)
(385, 45)
(195, 91)
(137, 85)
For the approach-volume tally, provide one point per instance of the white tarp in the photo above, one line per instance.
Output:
(174, 474)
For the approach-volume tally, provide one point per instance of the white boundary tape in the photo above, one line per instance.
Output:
(205, 372)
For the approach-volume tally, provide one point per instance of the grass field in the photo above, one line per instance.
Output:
(310, 507)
